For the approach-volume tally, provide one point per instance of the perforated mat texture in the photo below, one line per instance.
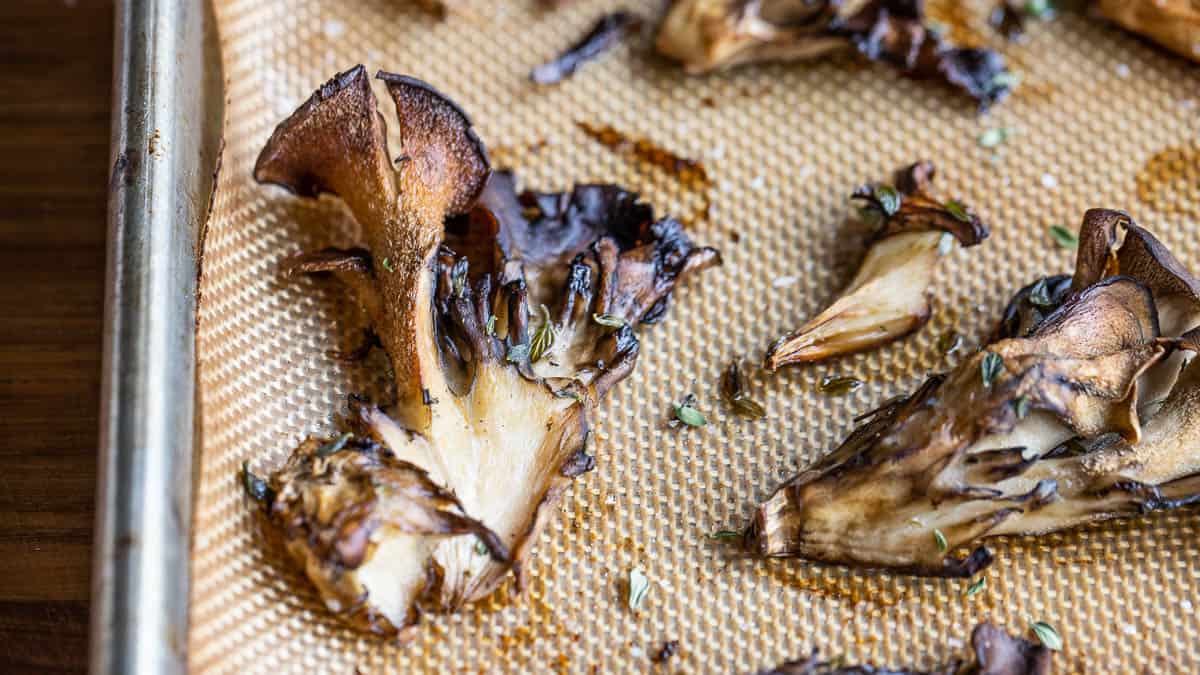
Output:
(1100, 119)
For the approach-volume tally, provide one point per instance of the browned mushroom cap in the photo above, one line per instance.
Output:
(336, 142)
(889, 296)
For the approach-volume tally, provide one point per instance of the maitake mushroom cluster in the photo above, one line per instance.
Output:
(709, 35)
(506, 317)
(1082, 409)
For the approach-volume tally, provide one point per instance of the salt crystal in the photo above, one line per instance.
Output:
(954, 643)
(1186, 605)
(758, 182)
(784, 282)
(333, 29)
(1049, 181)
(635, 652)
(1129, 629)
(1122, 71)
(718, 151)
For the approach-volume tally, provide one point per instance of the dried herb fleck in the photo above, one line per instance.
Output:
(387, 264)
(481, 548)
(491, 325)
(724, 534)
(609, 320)
(949, 342)
(1022, 406)
(1047, 635)
(334, 446)
(976, 587)
(990, 367)
(687, 413)
(888, 199)
(994, 137)
(543, 338)
(940, 539)
(1064, 237)
(958, 210)
(639, 585)
(839, 385)
(733, 391)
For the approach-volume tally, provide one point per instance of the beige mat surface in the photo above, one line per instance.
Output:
(1101, 119)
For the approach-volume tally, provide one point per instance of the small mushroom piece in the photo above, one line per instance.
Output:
(889, 296)
(606, 34)
(710, 35)
(1039, 431)
(1174, 24)
(996, 653)
(484, 302)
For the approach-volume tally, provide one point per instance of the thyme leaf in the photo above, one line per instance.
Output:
(334, 446)
(940, 540)
(1047, 635)
(839, 385)
(1064, 237)
(957, 210)
(990, 367)
(609, 320)
(543, 338)
(976, 587)
(639, 585)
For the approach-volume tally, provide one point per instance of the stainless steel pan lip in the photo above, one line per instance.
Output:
(167, 109)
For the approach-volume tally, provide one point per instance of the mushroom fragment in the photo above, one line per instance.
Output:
(608, 32)
(484, 301)
(996, 653)
(889, 296)
(708, 35)
(1041, 430)
(1174, 24)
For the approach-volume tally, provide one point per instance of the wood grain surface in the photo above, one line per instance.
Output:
(54, 125)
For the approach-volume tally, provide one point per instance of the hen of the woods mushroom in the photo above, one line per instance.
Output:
(889, 296)
(1085, 407)
(505, 317)
(708, 35)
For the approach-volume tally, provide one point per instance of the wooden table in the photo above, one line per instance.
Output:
(54, 125)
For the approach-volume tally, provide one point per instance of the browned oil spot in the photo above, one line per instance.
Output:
(1037, 92)
(508, 155)
(689, 173)
(1169, 182)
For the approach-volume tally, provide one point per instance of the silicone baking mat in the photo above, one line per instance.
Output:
(1100, 119)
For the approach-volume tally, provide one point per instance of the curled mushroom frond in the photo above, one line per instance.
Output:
(1174, 24)
(996, 653)
(708, 35)
(1057, 424)
(505, 316)
(889, 296)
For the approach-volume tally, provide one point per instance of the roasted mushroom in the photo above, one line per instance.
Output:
(1174, 24)
(996, 653)
(889, 296)
(708, 35)
(1044, 429)
(486, 303)
(608, 32)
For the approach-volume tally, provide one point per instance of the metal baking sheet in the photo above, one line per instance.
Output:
(167, 117)
(1101, 119)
